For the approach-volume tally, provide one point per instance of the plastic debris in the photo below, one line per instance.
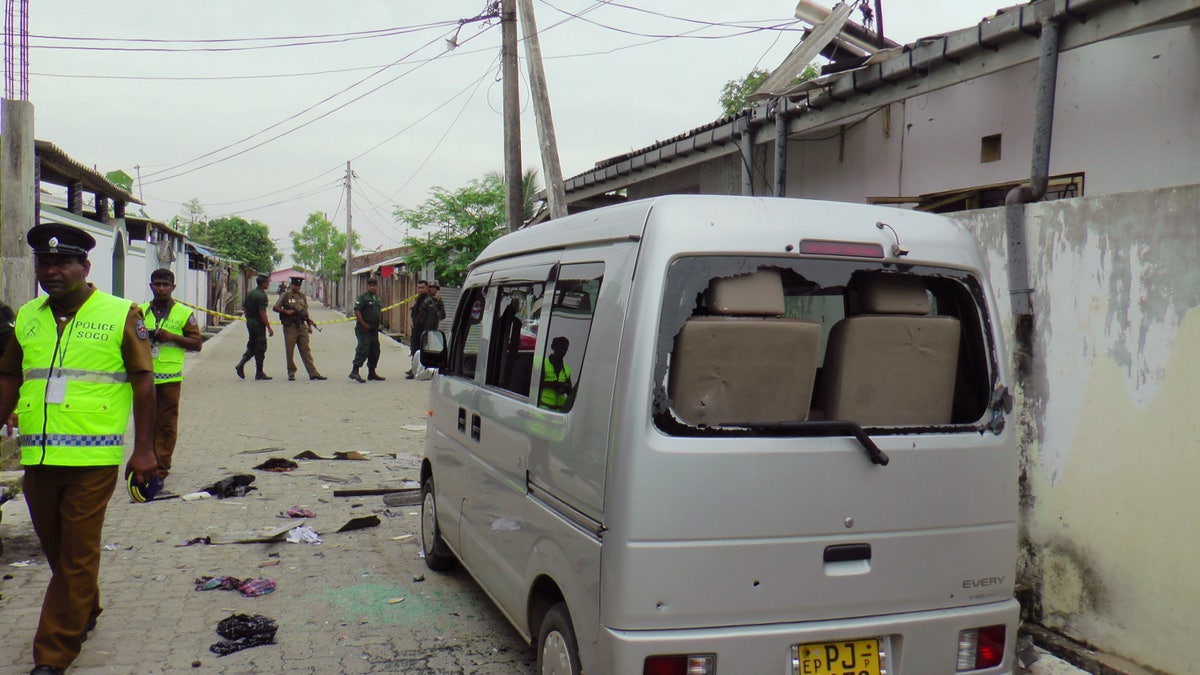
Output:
(251, 588)
(234, 486)
(352, 454)
(297, 512)
(193, 496)
(193, 542)
(242, 631)
(303, 535)
(279, 464)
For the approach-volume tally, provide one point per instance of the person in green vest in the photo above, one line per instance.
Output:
(257, 329)
(367, 318)
(556, 388)
(76, 363)
(173, 330)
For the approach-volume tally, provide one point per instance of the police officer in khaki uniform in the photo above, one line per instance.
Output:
(292, 308)
(77, 348)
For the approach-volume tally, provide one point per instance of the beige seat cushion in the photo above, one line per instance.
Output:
(884, 370)
(727, 370)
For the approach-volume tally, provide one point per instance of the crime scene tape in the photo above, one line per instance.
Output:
(231, 317)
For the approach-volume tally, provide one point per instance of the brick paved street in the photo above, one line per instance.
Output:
(361, 602)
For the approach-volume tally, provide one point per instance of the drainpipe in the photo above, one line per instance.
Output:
(747, 157)
(781, 129)
(1035, 189)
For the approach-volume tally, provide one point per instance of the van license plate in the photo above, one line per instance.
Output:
(848, 657)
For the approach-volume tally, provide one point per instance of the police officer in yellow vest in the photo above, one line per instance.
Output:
(76, 363)
(556, 387)
(173, 329)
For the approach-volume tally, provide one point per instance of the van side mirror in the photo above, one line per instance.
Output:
(433, 349)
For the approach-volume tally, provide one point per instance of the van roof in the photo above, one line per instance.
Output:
(688, 219)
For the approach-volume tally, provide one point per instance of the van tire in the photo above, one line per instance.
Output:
(557, 650)
(437, 555)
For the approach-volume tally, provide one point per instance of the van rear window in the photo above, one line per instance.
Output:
(754, 344)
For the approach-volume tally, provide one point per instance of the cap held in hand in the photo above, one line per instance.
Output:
(140, 492)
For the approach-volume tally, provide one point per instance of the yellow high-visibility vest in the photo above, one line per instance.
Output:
(550, 397)
(168, 362)
(88, 427)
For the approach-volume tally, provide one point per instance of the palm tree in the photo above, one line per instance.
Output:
(529, 187)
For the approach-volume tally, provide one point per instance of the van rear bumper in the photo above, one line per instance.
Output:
(922, 643)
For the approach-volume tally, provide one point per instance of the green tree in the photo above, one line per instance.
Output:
(735, 92)
(320, 246)
(240, 239)
(452, 227)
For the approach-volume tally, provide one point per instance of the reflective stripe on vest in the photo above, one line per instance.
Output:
(88, 427)
(168, 365)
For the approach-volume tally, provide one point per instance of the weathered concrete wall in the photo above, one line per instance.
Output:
(1111, 431)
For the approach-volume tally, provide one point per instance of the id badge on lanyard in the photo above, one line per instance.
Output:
(56, 387)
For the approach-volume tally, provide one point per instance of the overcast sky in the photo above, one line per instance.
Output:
(254, 108)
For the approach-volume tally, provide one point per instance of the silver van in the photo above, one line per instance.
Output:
(706, 434)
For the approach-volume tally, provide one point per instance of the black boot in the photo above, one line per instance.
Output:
(375, 376)
(240, 369)
(355, 376)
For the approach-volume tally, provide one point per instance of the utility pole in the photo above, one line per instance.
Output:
(346, 280)
(18, 164)
(547, 141)
(514, 194)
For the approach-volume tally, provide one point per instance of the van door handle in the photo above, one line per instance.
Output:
(475, 424)
(844, 552)
(847, 559)
(462, 420)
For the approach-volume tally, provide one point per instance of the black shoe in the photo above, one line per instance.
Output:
(47, 670)
(355, 376)
(262, 376)
(240, 370)
(410, 376)
(375, 376)
(317, 377)
(291, 377)
(408, 372)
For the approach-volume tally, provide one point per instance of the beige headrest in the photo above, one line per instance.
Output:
(758, 294)
(892, 294)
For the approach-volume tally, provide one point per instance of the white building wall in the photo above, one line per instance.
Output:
(1110, 436)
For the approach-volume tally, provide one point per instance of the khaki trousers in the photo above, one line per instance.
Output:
(297, 337)
(166, 424)
(67, 506)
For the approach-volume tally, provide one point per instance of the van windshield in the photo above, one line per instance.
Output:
(754, 344)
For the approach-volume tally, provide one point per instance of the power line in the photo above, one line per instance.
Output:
(294, 129)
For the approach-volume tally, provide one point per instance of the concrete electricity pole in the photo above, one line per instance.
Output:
(347, 280)
(547, 141)
(18, 183)
(514, 195)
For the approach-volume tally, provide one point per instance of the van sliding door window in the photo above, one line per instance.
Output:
(567, 331)
(514, 336)
(464, 346)
(763, 345)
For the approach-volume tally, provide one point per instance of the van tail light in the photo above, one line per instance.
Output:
(980, 648)
(681, 664)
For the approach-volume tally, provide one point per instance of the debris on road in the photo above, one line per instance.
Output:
(303, 535)
(297, 512)
(236, 485)
(260, 535)
(279, 464)
(242, 631)
(359, 523)
(407, 497)
(251, 588)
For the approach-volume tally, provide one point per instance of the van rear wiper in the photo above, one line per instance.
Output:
(825, 428)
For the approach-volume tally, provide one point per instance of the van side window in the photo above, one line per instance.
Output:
(567, 331)
(514, 336)
(464, 347)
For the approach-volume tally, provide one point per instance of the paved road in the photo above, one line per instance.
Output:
(338, 604)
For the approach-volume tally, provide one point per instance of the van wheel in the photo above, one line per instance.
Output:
(437, 557)
(557, 651)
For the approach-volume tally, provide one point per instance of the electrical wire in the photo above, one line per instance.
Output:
(748, 29)
(294, 129)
